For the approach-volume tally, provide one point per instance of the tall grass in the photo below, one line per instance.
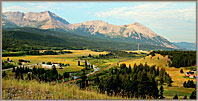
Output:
(20, 89)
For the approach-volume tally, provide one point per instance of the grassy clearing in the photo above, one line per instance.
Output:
(162, 61)
(177, 77)
(169, 92)
(35, 90)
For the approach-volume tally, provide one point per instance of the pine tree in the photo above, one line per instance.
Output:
(78, 63)
(29, 77)
(193, 95)
(97, 80)
(13, 70)
(157, 71)
(181, 71)
(129, 69)
(175, 97)
(185, 97)
(85, 65)
(184, 85)
(155, 90)
(161, 92)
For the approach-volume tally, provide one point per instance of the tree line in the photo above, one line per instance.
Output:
(39, 74)
(189, 84)
(34, 52)
(179, 58)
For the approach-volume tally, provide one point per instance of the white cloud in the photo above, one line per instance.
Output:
(29, 7)
(166, 19)
(149, 12)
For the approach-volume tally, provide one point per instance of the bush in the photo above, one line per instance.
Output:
(49, 63)
(4, 74)
(181, 71)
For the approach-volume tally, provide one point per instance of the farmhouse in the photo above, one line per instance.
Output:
(46, 66)
(55, 64)
(190, 74)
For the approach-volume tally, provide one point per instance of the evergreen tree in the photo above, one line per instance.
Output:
(97, 80)
(29, 77)
(78, 63)
(154, 89)
(13, 70)
(181, 71)
(123, 66)
(157, 71)
(129, 69)
(193, 95)
(66, 75)
(184, 85)
(175, 97)
(185, 97)
(161, 92)
(85, 64)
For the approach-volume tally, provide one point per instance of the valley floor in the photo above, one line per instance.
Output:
(21, 89)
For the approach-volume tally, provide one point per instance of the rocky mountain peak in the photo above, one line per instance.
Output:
(49, 20)
(43, 20)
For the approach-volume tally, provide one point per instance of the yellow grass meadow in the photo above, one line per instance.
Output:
(62, 58)
(174, 73)
(35, 90)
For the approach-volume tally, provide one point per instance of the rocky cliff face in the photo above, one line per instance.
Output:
(48, 20)
(134, 31)
(42, 20)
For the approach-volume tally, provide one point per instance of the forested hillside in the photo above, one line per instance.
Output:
(32, 38)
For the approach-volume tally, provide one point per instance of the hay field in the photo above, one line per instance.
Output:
(62, 58)
(162, 62)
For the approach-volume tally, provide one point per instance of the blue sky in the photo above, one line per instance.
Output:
(175, 21)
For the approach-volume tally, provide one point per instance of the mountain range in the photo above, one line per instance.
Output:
(134, 32)
(185, 45)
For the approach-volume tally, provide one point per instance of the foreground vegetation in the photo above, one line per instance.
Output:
(21, 89)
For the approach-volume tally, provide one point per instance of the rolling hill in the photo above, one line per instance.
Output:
(185, 45)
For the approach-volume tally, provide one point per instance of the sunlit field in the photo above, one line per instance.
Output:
(177, 77)
(34, 90)
(62, 58)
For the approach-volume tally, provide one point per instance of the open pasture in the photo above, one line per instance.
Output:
(55, 58)
(161, 62)
(62, 58)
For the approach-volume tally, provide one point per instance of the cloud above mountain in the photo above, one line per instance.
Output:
(160, 16)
